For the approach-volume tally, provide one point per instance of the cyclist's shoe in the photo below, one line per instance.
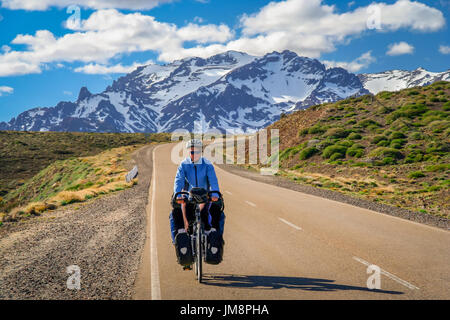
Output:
(189, 267)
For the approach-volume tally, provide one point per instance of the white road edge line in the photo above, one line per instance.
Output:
(250, 203)
(155, 284)
(390, 275)
(290, 224)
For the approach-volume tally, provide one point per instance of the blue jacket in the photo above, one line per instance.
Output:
(200, 174)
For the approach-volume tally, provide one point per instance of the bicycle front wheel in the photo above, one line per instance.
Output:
(199, 257)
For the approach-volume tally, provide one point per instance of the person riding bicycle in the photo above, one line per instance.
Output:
(196, 171)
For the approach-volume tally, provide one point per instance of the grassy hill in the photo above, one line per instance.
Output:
(392, 147)
(38, 166)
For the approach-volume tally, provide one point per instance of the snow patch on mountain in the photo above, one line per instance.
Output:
(395, 80)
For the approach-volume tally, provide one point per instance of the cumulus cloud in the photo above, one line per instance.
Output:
(104, 35)
(353, 66)
(94, 68)
(6, 90)
(93, 4)
(399, 48)
(444, 49)
(310, 27)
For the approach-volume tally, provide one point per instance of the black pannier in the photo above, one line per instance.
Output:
(214, 248)
(183, 249)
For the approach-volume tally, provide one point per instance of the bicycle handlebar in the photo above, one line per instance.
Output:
(187, 194)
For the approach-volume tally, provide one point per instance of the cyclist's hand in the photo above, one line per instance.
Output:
(180, 199)
(214, 199)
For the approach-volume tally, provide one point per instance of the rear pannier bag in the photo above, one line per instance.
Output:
(214, 248)
(184, 249)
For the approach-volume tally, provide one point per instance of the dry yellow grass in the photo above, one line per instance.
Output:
(109, 177)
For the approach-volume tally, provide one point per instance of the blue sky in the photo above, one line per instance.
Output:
(48, 54)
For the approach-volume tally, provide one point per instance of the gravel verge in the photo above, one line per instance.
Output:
(104, 237)
(427, 219)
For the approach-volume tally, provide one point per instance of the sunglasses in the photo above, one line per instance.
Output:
(196, 152)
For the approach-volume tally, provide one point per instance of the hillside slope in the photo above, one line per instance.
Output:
(392, 147)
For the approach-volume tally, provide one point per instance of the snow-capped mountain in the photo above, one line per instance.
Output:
(395, 80)
(229, 91)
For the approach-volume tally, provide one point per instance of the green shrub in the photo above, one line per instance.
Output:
(377, 139)
(317, 129)
(439, 126)
(438, 147)
(387, 152)
(336, 156)
(356, 151)
(345, 143)
(350, 122)
(388, 161)
(397, 135)
(354, 136)
(330, 150)
(408, 111)
(414, 156)
(416, 175)
(417, 136)
(384, 95)
(303, 132)
(446, 106)
(397, 143)
(308, 153)
(385, 110)
(368, 122)
(438, 167)
(337, 133)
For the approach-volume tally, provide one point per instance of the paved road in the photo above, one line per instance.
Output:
(283, 244)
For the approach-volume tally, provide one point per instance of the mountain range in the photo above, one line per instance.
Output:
(232, 91)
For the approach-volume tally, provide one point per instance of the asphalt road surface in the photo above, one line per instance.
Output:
(283, 244)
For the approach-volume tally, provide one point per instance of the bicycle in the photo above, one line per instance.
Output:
(198, 236)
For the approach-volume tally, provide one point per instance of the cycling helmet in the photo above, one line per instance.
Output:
(196, 143)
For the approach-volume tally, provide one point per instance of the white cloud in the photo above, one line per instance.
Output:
(94, 4)
(309, 27)
(94, 68)
(6, 89)
(399, 48)
(354, 66)
(104, 35)
(444, 49)
(67, 93)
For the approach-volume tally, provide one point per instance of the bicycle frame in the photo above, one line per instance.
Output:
(198, 237)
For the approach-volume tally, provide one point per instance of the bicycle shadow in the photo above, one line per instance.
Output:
(276, 282)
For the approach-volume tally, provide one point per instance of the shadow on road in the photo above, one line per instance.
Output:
(272, 282)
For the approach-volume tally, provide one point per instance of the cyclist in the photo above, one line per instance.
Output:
(196, 171)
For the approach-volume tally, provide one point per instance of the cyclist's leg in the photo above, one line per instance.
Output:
(204, 213)
(216, 215)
